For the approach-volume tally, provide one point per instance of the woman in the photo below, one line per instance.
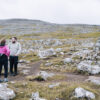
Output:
(4, 54)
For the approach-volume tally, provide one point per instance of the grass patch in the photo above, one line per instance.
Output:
(58, 65)
(57, 77)
(64, 90)
(32, 57)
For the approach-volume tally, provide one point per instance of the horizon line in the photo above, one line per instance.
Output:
(49, 22)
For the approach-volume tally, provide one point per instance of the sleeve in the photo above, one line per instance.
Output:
(8, 51)
(19, 49)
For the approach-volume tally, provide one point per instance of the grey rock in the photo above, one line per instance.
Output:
(6, 93)
(68, 60)
(35, 96)
(88, 67)
(45, 75)
(82, 93)
(48, 64)
(46, 53)
(58, 50)
(95, 80)
(54, 85)
(25, 71)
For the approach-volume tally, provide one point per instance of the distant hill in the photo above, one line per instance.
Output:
(25, 26)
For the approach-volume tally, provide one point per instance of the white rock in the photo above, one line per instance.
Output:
(62, 53)
(25, 72)
(54, 85)
(58, 50)
(48, 64)
(6, 93)
(94, 79)
(97, 44)
(24, 61)
(45, 75)
(90, 95)
(12, 82)
(57, 43)
(82, 93)
(46, 53)
(67, 60)
(88, 67)
(87, 44)
(95, 69)
(35, 96)
(81, 53)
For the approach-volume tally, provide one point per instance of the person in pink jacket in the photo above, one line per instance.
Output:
(4, 54)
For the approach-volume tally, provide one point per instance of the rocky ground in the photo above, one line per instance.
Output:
(56, 66)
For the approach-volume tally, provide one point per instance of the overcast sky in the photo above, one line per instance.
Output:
(56, 11)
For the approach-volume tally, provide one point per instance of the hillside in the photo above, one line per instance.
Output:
(57, 62)
(25, 26)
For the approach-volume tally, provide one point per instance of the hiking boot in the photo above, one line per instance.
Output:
(15, 74)
(5, 79)
(11, 74)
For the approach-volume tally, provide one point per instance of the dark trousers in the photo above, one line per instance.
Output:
(4, 62)
(13, 64)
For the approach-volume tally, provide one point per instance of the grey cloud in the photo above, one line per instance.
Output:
(56, 11)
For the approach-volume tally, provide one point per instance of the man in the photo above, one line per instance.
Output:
(15, 50)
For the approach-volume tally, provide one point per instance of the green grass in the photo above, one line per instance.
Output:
(89, 35)
(58, 65)
(64, 90)
(32, 57)
(24, 89)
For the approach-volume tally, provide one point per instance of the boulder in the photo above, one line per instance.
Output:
(46, 53)
(82, 93)
(44, 75)
(87, 66)
(6, 93)
(82, 53)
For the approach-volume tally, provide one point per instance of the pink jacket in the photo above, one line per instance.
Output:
(4, 50)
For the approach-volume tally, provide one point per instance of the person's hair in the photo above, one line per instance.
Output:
(15, 38)
(3, 42)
